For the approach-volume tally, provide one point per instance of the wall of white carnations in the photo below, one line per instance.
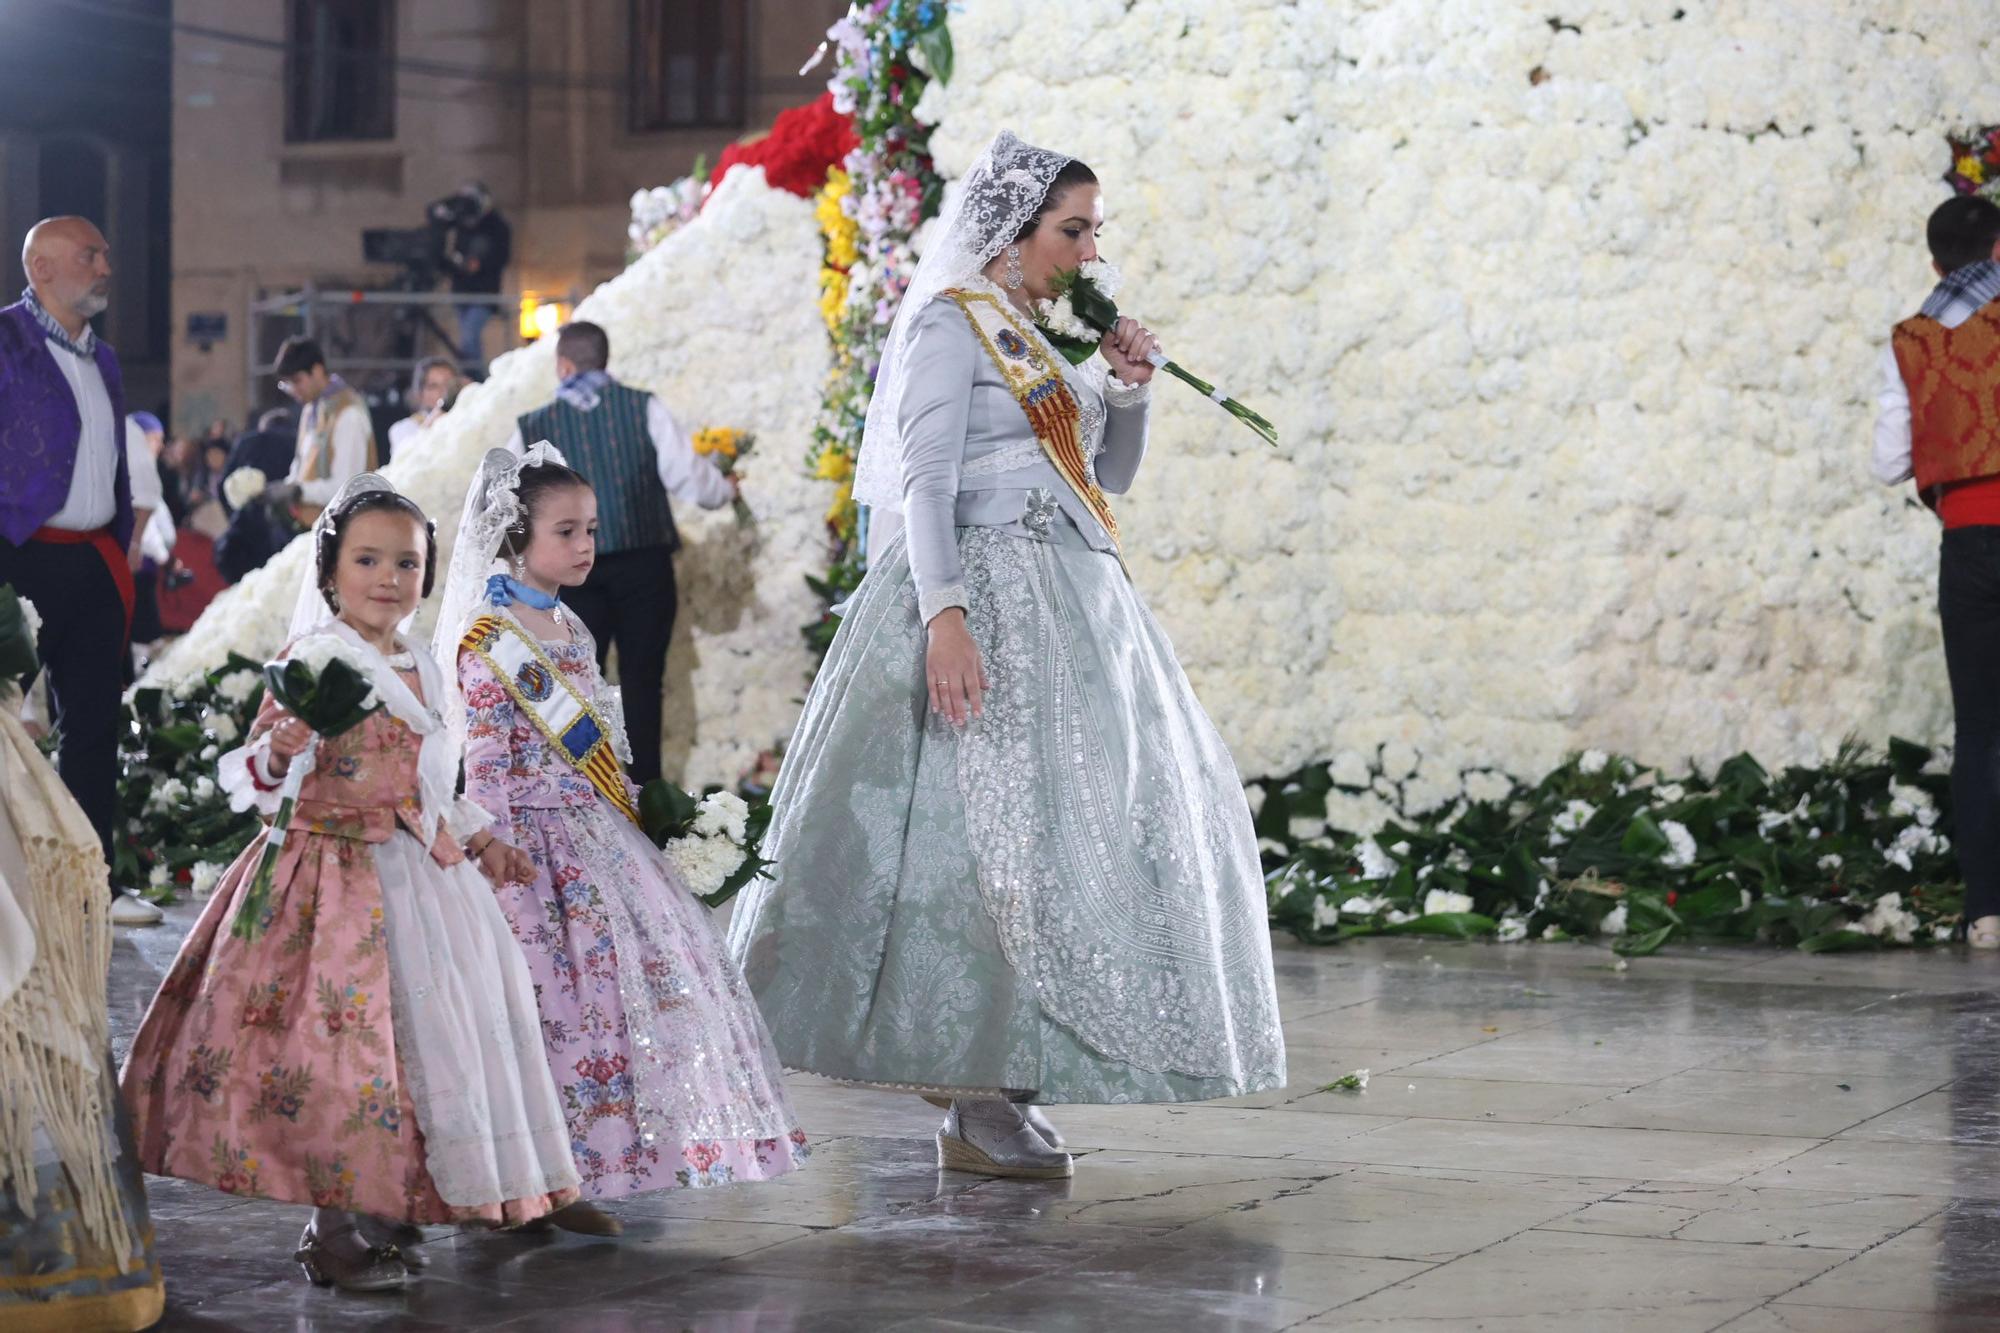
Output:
(1568, 315)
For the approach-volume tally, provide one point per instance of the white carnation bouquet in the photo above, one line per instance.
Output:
(1083, 310)
(243, 486)
(713, 842)
(325, 684)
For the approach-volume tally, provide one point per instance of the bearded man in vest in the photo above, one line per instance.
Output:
(1940, 424)
(634, 454)
(336, 433)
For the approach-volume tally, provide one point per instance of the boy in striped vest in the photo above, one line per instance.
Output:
(634, 454)
(1940, 425)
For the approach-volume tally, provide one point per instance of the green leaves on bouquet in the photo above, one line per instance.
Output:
(18, 659)
(333, 701)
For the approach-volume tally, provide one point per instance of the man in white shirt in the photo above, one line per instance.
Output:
(336, 434)
(634, 454)
(1938, 426)
(68, 535)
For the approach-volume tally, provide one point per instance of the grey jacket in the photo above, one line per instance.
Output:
(970, 458)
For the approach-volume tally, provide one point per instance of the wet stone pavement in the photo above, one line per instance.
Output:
(1750, 1140)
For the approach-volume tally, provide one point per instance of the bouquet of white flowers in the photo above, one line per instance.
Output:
(20, 626)
(713, 842)
(1082, 311)
(244, 485)
(325, 684)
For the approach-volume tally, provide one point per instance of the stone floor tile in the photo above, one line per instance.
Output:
(1405, 1095)
(1742, 1214)
(1780, 1318)
(1732, 1101)
(1395, 1213)
(1965, 1112)
(1640, 1154)
(1947, 1266)
(1221, 1131)
(1606, 1282)
(1870, 1167)
(1136, 1189)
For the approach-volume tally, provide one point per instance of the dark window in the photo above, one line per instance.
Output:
(340, 73)
(687, 64)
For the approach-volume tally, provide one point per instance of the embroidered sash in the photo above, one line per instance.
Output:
(539, 688)
(1037, 383)
(316, 463)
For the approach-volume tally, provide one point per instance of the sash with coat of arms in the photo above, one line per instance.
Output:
(538, 687)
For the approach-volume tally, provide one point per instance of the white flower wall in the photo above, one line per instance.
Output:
(722, 321)
(1569, 317)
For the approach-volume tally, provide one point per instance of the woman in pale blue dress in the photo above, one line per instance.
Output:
(1015, 864)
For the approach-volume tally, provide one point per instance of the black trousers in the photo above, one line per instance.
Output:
(1969, 606)
(82, 646)
(629, 600)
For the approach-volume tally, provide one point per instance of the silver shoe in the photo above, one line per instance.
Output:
(376, 1268)
(1042, 1126)
(990, 1137)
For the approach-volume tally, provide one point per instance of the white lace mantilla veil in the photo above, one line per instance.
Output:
(492, 506)
(988, 207)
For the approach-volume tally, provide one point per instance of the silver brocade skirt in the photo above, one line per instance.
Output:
(1064, 898)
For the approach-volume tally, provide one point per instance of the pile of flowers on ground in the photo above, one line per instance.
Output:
(886, 54)
(1975, 162)
(177, 830)
(1853, 854)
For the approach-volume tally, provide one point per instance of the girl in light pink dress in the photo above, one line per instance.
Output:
(374, 1050)
(664, 1068)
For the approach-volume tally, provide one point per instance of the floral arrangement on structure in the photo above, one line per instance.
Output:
(663, 210)
(869, 208)
(803, 142)
(1975, 162)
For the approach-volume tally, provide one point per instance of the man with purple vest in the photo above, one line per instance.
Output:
(67, 529)
(634, 454)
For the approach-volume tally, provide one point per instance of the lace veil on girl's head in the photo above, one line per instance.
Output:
(987, 209)
(310, 609)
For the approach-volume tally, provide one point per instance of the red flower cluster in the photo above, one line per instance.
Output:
(802, 144)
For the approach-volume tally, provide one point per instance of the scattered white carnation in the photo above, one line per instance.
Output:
(1831, 861)
(1512, 928)
(223, 727)
(1572, 817)
(1680, 845)
(160, 876)
(1444, 900)
(1367, 905)
(1887, 918)
(1614, 921)
(1669, 793)
(1397, 916)
(1375, 863)
(238, 686)
(203, 877)
(1912, 803)
(1325, 914)
(1593, 762)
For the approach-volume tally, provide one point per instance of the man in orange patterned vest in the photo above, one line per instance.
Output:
(1940, 425)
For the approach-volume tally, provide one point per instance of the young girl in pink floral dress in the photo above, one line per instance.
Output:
(665, 1071)
(374, 1049)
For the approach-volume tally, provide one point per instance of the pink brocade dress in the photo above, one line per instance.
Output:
(288, 1067)
(666, 1073)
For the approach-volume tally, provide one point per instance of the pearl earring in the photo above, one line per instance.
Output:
(1013, 277)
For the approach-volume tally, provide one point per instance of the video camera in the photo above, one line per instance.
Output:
(423, 253)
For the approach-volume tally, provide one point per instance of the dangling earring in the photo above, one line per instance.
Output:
(1013, 277)
(520, 569)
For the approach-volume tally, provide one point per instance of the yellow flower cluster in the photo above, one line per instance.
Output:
(1972, 169)
(843, 235)
(723, 440)
(843, 247)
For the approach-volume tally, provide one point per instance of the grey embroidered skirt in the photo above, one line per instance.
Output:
(1063, 898)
